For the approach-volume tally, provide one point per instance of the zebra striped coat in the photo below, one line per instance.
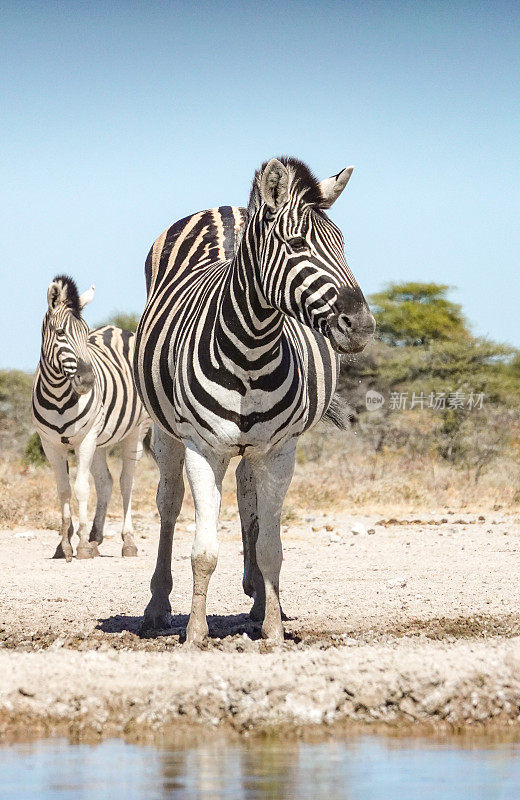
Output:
(84, 397)
(113, 406)
(237, 348)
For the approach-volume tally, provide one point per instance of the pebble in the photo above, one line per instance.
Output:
(358, 529)
(396, 583)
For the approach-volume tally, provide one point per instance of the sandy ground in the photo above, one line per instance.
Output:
(410, 622)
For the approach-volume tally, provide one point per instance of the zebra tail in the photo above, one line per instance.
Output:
(148, 442)
(339, 413)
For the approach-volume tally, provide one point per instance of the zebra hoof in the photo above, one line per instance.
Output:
(256, 614)
(94, 548)
(62, 552)
(196, 632)
(159, 621)
(273, 634)
(129, 550)
(84, 552)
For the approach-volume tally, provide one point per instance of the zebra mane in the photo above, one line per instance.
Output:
(71, 293)
(307, 185)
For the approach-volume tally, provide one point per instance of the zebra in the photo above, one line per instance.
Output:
(84, 398)
(237, 354)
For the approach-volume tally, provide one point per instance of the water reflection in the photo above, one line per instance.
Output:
(355, 769)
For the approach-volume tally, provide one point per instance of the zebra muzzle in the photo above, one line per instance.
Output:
(84, 379)
(352, 326)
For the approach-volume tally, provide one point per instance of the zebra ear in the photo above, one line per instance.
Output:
(274, 184)
(55, 295)
(331, 188)
(86, 297)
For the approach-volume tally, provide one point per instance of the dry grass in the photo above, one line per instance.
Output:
(334, 472)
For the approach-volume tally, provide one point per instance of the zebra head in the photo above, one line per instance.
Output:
(65, 334)
(302, 263)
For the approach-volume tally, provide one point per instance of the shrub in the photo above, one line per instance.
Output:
(34, 455)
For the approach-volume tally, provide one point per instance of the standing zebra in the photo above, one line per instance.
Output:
(235, 356)
(84, 397)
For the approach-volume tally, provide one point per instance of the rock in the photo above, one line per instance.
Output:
(335, 538)
(396, 583)
(358, 529)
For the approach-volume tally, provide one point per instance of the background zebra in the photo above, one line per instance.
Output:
(84, 397)
(235, 356)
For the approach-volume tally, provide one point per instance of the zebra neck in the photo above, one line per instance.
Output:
(246, 319)
(55, 384)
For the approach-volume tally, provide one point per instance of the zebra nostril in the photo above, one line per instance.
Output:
(344, 323)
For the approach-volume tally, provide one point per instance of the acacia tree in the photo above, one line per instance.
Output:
(415, 314)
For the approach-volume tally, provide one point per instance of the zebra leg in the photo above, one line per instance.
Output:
(169, 454)
(205, 476)
(252, 582)
(132, 452)
(85, 454)
(103, 483)
(58, 460)
(273, 473)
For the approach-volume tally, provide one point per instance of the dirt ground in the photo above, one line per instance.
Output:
(403, 622)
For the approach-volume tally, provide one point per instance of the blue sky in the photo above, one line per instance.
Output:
(121, 117)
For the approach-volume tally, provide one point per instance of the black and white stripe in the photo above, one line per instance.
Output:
(239, 340)
(84, 396)
(237, 354)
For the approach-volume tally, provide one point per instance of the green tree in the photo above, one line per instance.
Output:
(34, 454)
(15, 408)
(471, 435)
(122, 319)
(415, 313)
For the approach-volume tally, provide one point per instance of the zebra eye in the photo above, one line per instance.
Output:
(60, 331)
(297, 243)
